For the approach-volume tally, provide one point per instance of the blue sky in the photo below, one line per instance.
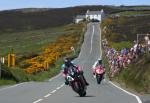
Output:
(13, 4)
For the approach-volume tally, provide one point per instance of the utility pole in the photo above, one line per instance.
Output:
(138, 37)
(146, 38)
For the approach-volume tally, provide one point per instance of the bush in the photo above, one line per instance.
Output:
(107, 22)
(122, 20)
(19, 75)
(115, 37)
(6, 82)
(6, 73)
(124, 44)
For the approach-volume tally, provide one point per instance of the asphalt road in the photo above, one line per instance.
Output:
(54, 90)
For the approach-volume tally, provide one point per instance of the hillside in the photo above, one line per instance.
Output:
(121, 32)
(130, 26)
(53, 44)
(29, 42)
(33, 18)
(137, 76)
(27, 30)
(41, 18)
(125, 29)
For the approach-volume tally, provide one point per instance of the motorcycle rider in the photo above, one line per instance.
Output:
(98, 64)
(67, 64)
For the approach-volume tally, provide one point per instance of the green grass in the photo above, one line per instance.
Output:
(136, 76)
(6, 82)
(120, 45)
(126, 28)
(30, 41)
(17, 74)
(132, 13)
(105, 62)
(140, 7)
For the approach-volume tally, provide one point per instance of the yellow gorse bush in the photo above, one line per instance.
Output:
(52, 52)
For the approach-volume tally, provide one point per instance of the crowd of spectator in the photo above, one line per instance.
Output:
(119, 60)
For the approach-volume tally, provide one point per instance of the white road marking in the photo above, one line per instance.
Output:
(47, 95)
(54, 77)
(53, 91)
(138, 99)
(92, 40)
(79, 55)
(38, 100)
(58, 88)
(62, 85)
(13, 86)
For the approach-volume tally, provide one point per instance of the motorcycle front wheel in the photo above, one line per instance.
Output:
(99, 78)
(82, 94)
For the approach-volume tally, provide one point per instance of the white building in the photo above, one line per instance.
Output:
(79, 18)
(94, 15)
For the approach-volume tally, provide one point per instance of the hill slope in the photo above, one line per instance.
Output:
(137, 75)
(121, 33)
(32, 18)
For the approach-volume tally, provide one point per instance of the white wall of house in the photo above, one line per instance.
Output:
(90, 15)
(78, 20)
(96, 17)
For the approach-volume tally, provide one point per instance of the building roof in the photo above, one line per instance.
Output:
(80, 16)
(93, 12)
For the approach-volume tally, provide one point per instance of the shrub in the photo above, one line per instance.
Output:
(115, 37)
(119, 45)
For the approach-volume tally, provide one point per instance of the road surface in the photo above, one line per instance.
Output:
(54, 90)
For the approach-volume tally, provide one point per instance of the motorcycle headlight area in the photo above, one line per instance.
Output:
(69, 78)
(72, 73)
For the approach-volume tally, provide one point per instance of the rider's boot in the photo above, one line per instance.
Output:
(66, 81)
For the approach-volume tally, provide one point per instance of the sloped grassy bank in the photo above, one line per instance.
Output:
(18, 74)
(136, 75)
(120, 33)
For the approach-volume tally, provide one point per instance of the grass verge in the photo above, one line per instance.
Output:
(7, 82)
(136, 76)
(121, 32)
(17, 74)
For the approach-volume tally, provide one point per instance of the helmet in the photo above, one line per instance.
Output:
(67, 61)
